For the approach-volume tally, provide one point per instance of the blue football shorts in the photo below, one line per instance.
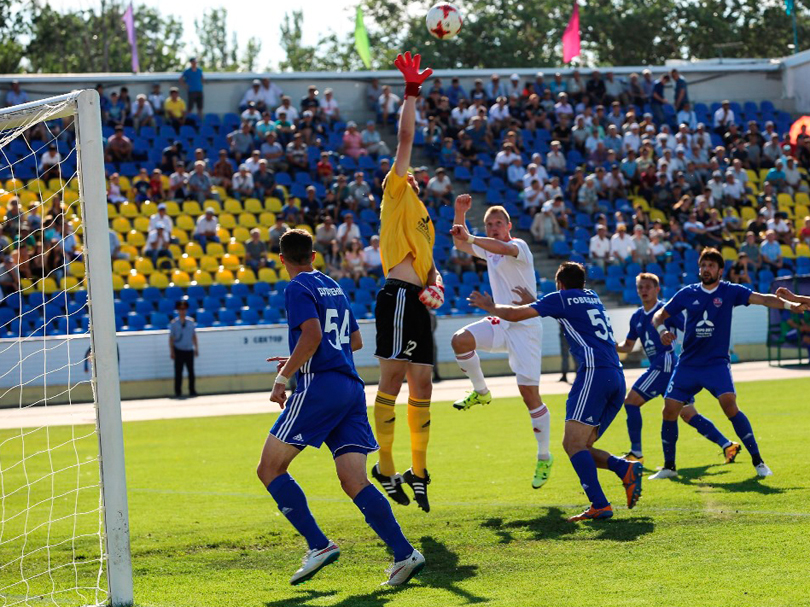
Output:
(596, 397)
(686, 382)
(652, 383)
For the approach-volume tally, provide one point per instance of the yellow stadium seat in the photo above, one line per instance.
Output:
(26, 286)
(209, 263)
(180, 235)
(224, 277)
(77, 269)
(193, 208)
(187, 264)
(121, 225)
(787, 252)
(27, 198)
(304, 226)
(802, 250)
(148, 208)
(274, 205)
(246, 276)
(240, 234)
(762, 174)
(283, 275)
(129, 250)
(112, 211)
(13, 185)
(135, 238)
(802, 210)
(215, 249)
(71, 283)
(118, 282)
(186, 222)
(48, 285)
(193, 249)
(172, 208)
(224, 234)
(181, 279)
(753, 200)
(264, 233)
(121, 267)
(247, 220)
(227, 220)
(747, 214)
(144, 266)
(158, 280)
(141, 224)
(729, 254)
(268, 275)
(802, 198)
(55, 184)
(164, 182)
(35, 185)
(236, 248)
(253, 205)
(125, 184)
(220, 190)
(129, 209)
(230, 262)
(267, 219)
(275, 258)
(176, 251)
(70, 197)
(232, 206)
(202, 278)
(784, 200)
(658, 215)
(136, 281)
(319, 261)
(214, 204)
(752, 176)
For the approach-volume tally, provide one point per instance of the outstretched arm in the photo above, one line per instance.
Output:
(510, 313)
(626, 346)
(773, 301)
(498, 247)
(409, 66)
(790, 296)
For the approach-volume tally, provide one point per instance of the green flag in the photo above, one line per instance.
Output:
(361, 39)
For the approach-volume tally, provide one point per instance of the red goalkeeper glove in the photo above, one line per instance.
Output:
(409, 66)
(433, 295)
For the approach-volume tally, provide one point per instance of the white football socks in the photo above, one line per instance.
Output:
(470, 364)
(541, 423)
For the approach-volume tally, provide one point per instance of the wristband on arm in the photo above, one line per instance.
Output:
(412, 89)
(280, 379)
(661, 329)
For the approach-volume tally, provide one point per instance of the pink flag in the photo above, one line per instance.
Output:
(129, 22)
(570, 38)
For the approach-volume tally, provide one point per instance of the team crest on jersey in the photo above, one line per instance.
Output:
(718, 301)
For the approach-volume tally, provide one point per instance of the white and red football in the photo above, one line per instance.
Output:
(444, 21)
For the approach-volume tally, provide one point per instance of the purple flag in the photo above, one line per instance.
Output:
(129, 21)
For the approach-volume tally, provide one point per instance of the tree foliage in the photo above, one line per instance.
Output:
(216, 53)
(11, 49)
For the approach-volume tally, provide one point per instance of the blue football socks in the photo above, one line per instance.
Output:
(634, 427)
(709, 430)
(379, 516)
(618, 465)
(585, 468)
(293, 504)
(743, 429)
(669, 439)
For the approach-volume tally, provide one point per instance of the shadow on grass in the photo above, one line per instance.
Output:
(442, 571)
(699, 476)
(553, 525)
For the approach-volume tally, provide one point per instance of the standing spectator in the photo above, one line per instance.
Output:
(270, 94)
(255, 251)
(681, 90)
(388, 104)
(193, 78)
(157, 99)
(241, 142)
(599, 248)
(183, 348)
(622, 247)
(157, 244)
(242, 183)
(440, 188)
(200, 184)
(175, 108)
(143, 114)
(347, 231)
(771, 252)
(329, 107)
(373, 257)
(206, 230)
(372, 142)
(373, 93)
(658, 100)
(723, 118)
(16, 96)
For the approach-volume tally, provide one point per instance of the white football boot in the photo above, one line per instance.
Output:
(402, 571)
(314, 561)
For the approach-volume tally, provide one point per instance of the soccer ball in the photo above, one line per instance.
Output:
(443, 21)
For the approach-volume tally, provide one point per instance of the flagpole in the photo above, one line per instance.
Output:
(795, 31)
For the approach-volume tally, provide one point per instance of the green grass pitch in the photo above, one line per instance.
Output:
(205, 533)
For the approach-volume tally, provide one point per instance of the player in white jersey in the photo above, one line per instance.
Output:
(511, 273)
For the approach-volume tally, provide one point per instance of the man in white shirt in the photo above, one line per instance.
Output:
(733, 190)
(599, 248)
(793, 178)
(373, 258)
(288, 108)
(555, 159)
(347, 231)
(161, 218)
(388, 103)
(632, 139)
(460, 115)
(440, 188)
(510, 265)
(723, 118)
(535, 171)
(687, 116)
(253, 95)
(562, 106)
(157, 244)
(157, 99)
(552, 188)
(329, 106)
(270, 93)
(615, 184)
(533, 197)
(622, 247)
(515, 173)
(499, 114)
(143, 114)
(242, 183)
(716, 185)
(504, 158)
(206, 230)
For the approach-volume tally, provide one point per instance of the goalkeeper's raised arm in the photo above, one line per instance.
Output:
(409, 66)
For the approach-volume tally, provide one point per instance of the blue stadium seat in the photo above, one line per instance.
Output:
(655, 268)
(240, 290)
(582, 247)
(462, 173)
(152, 294)
(250, 316)
(159, 321)
(614, 284)
(368, 283)
(172, 293)
(470, 278)
(166, 306)
(135, 322)
(364, 296)
(218, 290)
(633, 269)
(226, 318)
(255, 301)
(359, 310)
(196, 291)
(144, 307)
(128, 295)
(233, 302)
(560, 249)
(271, 316)
(478, 186)
(211, 303)
(596, 274)
(262, 288)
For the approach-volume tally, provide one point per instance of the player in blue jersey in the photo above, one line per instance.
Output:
(705, 361)
(598, 391)
(654, 381)
(328, 406)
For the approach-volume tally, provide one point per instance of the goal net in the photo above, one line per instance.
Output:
(63, 518)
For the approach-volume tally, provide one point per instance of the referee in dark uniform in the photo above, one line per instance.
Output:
(183, 347)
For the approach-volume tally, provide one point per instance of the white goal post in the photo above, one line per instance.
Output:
(84, 177)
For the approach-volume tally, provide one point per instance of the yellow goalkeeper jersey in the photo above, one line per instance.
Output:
(405, 227)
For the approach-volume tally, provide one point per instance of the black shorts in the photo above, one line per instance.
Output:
(403, 324)
(195, 98)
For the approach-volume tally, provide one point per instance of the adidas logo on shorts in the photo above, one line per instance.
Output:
(298, 437)
(590, 419)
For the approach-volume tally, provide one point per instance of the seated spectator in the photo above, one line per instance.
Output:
(738, 273)
(448, 153)
(178, 183)
(373, 258)
(588, 196)
(326, 240)
(288, 109)
(297, 156)
(171, 155)
(157, 245)
(533, 197)
(622, 247)
(388, 104)
(440, 189)
(804, 235)
(264, 183)
(276, 232)
(253, 95)
(206, 230)
(200, 185)
(199, 155)
(599, 248)
(373, 92)
(733, 190)
(161, 218)
(264, 126)
(271, 94)
(360, 196)
(311, 130)
(117, 113)
(771, 252)
(372, 142)
(114, 194)
(793, 178)
(143, 114)
(251, 115)
(157, 191)
(115, 247)
(695, 231)
(777, 177)
(752, 250)
(157, 99)
(273, 152)
(461, 261)
(174, 108)
(783, 228)
(252, 163)
(242, 183)
(16, 96)
(347, 231)
(515, 173)
(330, 110)
(119, 146)
(140, 185)
(49, 162)
(659, 247)
(255, 251)
(644, 254)
(310, 206)
(223, 171)
(615, 184)
(555, 160)
(354, 260)
(241, 142)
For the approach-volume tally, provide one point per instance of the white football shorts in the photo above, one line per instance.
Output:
(522, 342)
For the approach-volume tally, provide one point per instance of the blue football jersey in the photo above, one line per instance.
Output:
(315, 295)
(707, 333)
(641, 327)
(586, 325)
